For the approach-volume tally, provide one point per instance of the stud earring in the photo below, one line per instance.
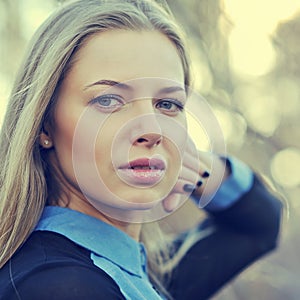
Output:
(46, 142)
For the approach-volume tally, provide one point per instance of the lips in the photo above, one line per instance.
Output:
(145, 164)
(143, 171)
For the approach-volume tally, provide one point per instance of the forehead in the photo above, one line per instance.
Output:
(124, 55)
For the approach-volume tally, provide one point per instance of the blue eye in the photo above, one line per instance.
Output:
(108, 102)
(169, 105)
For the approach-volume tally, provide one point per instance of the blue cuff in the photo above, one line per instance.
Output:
(237, 184)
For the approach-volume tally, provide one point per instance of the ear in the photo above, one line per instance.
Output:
(45, 140)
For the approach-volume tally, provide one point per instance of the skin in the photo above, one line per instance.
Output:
(101, 60)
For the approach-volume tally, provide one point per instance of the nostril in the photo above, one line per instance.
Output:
(141, 140)
(149, 140)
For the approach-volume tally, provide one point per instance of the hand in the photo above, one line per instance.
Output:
(219, 172)
(201, 175)
(189, 178)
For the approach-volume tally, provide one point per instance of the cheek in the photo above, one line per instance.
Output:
(91, 149)
(103, 148)
(74, 136)
(66, 117)
(63, 135)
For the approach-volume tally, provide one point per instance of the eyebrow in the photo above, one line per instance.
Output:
(172, 89)
(110, 83)
(124, 86)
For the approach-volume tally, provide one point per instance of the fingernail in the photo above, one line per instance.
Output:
(199, 183)
(205, 174)
(188, 187)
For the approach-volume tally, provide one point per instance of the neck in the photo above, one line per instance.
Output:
(133, 229)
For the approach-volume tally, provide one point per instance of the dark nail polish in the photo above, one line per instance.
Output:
(205, 174)
(188, 187)
(199, 183)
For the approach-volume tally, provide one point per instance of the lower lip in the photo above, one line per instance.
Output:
(141, 176)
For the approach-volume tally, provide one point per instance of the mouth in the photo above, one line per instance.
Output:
(145, 164)
(143, 171)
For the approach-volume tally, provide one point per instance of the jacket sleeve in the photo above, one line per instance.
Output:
(241, 234)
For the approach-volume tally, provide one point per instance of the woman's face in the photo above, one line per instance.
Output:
(119, 124)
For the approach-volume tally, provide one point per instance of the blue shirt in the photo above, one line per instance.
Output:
(112, 250)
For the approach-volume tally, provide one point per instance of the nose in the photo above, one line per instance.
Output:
(147, 131)
(146, 127)
(148, 140)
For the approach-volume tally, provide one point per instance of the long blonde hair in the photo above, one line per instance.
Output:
(26, 178)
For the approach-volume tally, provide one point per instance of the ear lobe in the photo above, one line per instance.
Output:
(45, 141)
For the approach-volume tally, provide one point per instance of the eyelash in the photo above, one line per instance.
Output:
(179, 105)
(110, 97)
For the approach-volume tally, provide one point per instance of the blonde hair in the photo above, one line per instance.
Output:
(26, 178)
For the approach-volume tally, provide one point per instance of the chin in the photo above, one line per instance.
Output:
(144, 200)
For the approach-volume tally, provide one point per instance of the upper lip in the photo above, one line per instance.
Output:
(154, 163)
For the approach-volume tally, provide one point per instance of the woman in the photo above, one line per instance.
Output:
(94, 145)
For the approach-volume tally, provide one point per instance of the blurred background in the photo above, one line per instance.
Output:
(246, 64)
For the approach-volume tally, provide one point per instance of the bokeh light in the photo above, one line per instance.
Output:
(35, 15)
(251, 54)
(261, 16)
(254, 21)
(285, 167)
(288, 94)
(259, 107)
(234, 127)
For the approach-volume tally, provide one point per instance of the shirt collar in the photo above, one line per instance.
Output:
(95, 235)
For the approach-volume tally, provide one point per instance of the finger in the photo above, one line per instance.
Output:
(191, 161)
(184, 187)
(196, 164)
(188, 175)
(171, 202)
(190, 146)
(206, 157)
(192, 156)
